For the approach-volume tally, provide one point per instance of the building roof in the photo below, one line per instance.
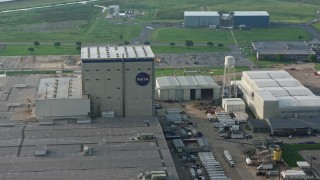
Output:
(116, 52)
(279, 86)
(173, 82)
(201, 13)
(287, 123)
(59, 88)
(259, 123)
(280, 47)
(251, 13)
(233, 101)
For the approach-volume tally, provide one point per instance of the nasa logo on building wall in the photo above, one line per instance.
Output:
(142, 79)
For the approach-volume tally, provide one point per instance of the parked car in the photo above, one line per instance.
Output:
(261, 173)
(157, 106)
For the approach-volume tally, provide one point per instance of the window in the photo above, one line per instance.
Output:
(108, 79)
(87, 70)
(118, 69)
(149, 68)
(97, 69)
(109, 97)
(128, 69)
(87, 79)
(97, 79)
(108, 70)
(118, 87)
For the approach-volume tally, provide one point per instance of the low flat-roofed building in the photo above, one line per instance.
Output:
(59, 98)
(293, 126)
(233, 105)
(201, 18)
(187, 88)
(251, 18)
(281, 50)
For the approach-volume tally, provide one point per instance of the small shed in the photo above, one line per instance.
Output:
(233, 105)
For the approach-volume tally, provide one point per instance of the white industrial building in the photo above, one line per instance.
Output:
(187, 88)
(201, 18)
(60, 98)
(277, 94)
(119, 79)
(233, 105)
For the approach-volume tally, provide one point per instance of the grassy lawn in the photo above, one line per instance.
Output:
(19, 50)
(268, 63)
(317, 66)
(272, 34)
(88, 24)
(316, 26)
(197, 35)
(203, 35)
(290, 152)
(207, 71)
(26, 72)
(184, 49)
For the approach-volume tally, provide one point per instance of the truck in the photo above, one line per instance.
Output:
(238, 135)
(228, 158)
(292, 174)
(265, 166)
(272, 173)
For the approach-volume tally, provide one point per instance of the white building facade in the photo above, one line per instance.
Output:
(277, 94)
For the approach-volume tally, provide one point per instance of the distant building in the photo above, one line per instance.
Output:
(119, 79)
(234, 19)
(251, 18)
(114, 10)
(201, 18)
(287, 50)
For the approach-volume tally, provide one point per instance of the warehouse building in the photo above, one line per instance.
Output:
(294, 126)
(251, 18)
(119, 79)
(282, 50)
(60, 98)
(201, 18)
(187, 88)
(277, 94)
(258, 126)
(234, 19)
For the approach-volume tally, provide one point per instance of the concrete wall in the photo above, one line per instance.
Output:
(113, 87)
(62, 108)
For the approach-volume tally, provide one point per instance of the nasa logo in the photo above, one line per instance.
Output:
(142, 79)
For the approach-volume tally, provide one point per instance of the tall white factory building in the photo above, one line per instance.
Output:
(119, 80)
(277, 94)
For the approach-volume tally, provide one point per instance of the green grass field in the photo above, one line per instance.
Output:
(19, 50)
(203, 35)
(207, 71)
(290, 152)
(86, 23)
(317, 67)
(184, 49)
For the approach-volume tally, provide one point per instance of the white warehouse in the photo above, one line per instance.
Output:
(277, 94)
(201, 18)
(59, 98)
(187, 88)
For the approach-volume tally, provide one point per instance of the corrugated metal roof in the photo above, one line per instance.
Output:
(171, 82)
(251, 13)
(201, 13)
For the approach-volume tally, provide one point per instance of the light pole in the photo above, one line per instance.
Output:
(312, 158)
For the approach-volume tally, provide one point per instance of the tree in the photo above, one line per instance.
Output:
(189, 43)
(210, 44)
(312, 58)
(126, 42)
(172, 44)
(36, 43)
(121, 36)
(57, 44)
(78, 48)
(78, 43)
(300, 37)
(31, 49)
(220, 45)
(279, 57)
(147, 43)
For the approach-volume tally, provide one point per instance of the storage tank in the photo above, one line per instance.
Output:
(277, 153)
(229, 61)
(273, 147)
